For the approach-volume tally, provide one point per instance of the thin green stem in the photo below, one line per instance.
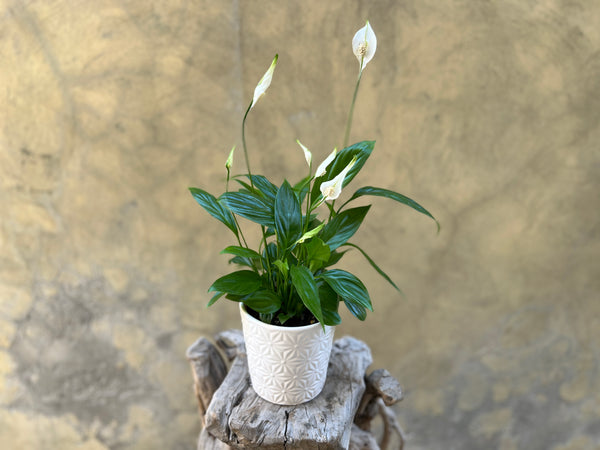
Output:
(241, 232)
(264, 234)
(331, 209)
(233, 215)
(308, 210)
(289, 302)
(351, 113)
(244, 144)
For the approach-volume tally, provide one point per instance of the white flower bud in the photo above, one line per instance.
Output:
(229, 161)
(307, 153)
(264, 82)
(323, 166)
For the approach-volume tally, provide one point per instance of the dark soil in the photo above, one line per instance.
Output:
(299, 321)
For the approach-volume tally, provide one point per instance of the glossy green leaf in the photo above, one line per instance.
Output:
(249, 206)
(241, 261)
(301, 188)
(310, 233)
(329, 305)
(305, 285)
(343, 226)
(263, 301)
(375, 266)
(262, 185)
(380, 192)
(335, 258)
(360, 150)
(240, 251)
(270, 231)
(270, 252)
(283, 267)
(214, 208)
(357, 310)
(348, 287)
(288, 215)
(283, 318)
(318, 253)
(246, 186)
(265, 186)
(215, 297)
(242, 282)
(266, 318)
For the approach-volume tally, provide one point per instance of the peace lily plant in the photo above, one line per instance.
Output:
(290, 279)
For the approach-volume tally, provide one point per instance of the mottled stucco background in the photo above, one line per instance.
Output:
(486, 112)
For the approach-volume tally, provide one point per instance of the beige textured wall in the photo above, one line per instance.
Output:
(487, 112)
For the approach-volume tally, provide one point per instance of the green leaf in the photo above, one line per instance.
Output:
(241, 261)
(288, 216)
(214, 208)
(329, 305)
(246, 186)
(263, 301)
(360, 150)
(215, 297)
(375, 266)
(357, 311)
(262, 186)
(310, 233)
(301, 188)
(266, 318)
(242, 282)
(343, 226)
(283, 267)
(249, 206)
(318, 253)
(283, 318)
(268, 189)
(240, 251)
(270, 252)
(380, 192)
(270, 231)
(347, 286)
(305, 285)
(335, 258)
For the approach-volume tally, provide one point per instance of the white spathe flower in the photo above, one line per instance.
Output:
(364, 45)
(323, 166)
(307, 153)
(264, 82)
(229, 161)
(333, 188)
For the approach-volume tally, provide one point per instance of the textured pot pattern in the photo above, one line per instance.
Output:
(288, 365)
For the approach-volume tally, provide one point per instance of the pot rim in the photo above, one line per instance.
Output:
(279, 327)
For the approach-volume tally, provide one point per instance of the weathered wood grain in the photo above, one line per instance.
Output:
(208, 370)
(231, 342)
(385, 386)
(362, 440)
(238, 417)
(206, 441)
(380, 385)
(390, 423)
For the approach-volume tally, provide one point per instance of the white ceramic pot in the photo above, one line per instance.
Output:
(288, 365)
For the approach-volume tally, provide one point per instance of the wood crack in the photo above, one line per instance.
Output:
(285, 436)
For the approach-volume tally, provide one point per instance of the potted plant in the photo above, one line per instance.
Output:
(288, 288)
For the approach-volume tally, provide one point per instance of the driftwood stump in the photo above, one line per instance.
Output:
(234, 416)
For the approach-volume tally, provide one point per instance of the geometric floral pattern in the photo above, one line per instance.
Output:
(288, 365)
